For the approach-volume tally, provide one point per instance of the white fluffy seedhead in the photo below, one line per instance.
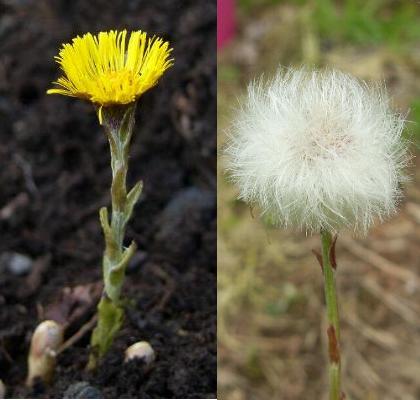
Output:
(318, 150)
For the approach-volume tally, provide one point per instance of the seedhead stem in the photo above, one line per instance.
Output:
(333, 330)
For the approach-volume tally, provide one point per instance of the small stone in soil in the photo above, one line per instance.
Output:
(185, 213)
(142, 351)
(16, 263)
(82, 390)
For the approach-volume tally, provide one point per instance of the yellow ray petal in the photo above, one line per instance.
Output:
(107, 70)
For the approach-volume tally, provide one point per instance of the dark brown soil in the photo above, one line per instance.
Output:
(54, 176)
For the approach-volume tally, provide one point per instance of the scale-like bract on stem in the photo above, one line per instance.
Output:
(318, 150)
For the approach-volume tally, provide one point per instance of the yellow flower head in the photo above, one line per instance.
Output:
(107, 70)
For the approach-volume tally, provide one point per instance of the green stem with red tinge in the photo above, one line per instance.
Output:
(333, 331)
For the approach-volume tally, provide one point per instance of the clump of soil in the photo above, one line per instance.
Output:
(55, 175)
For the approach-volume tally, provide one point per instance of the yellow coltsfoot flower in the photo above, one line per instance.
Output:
(107, 69)
(112, 70)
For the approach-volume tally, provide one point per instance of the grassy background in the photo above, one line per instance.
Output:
(391, 22)
(270, 311)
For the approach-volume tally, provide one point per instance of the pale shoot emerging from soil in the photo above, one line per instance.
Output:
(112, 72)
(2, 390)
(321, 152)
(46, 340)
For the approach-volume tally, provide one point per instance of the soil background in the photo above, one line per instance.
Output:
(55, 175)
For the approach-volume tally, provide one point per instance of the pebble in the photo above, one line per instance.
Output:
(192, 198)
(16, 263)
(82, 390)
(181, 222)
(185, 204)
(142, 351)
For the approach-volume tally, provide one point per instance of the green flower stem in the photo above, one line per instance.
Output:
(328, 268)
(118, 122)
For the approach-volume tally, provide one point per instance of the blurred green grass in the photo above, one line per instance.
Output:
(369, 22)
(395, 23)
(413, 131)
